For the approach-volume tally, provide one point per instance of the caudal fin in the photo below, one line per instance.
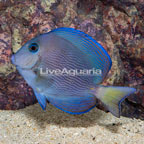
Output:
(113, 96)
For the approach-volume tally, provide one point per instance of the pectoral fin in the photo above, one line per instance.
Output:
(41, 100)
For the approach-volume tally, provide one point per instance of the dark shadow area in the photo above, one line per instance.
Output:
(55, 116)
(113, 127)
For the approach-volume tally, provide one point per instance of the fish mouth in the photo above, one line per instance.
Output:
(13, 59)
(35, 66)
(14, 62)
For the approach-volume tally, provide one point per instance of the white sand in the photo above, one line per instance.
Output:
(34, 126)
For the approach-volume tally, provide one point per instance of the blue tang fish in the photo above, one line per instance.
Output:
(45, 62)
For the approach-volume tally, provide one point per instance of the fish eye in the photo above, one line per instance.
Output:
(33, 48)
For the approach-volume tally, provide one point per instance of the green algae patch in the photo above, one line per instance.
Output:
(7, 69)
(46, 4)
(16, 40)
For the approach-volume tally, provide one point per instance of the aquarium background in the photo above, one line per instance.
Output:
(118, 25)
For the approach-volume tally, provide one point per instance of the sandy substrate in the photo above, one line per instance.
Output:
(34, 126)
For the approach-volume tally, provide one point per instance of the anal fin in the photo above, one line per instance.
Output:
(73, 104)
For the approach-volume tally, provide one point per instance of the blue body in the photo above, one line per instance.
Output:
(71, 49)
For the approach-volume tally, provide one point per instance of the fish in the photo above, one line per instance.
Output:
(66, 67)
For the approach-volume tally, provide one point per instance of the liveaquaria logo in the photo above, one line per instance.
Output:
(71, 72)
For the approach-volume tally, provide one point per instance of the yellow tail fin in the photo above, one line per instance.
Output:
(113, 96)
